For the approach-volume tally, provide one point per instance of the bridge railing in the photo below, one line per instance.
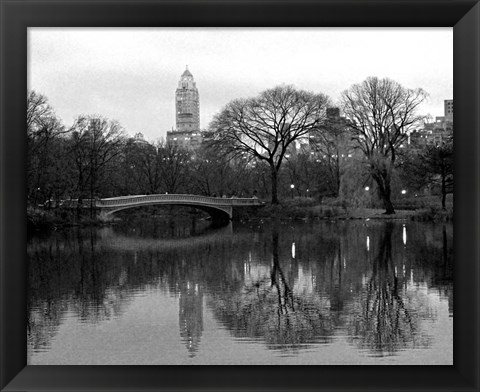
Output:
(175, 198)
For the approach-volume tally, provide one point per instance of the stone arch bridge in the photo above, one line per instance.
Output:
(219, 208)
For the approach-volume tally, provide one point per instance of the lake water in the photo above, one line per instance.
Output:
(147, 291)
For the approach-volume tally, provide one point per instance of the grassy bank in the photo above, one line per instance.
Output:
(41, 220)
(309, 209)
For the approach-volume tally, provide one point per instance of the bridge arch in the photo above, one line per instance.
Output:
(220, 209)
(216, 213)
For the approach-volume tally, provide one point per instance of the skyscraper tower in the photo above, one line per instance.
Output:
(187, 114)
(187, 104)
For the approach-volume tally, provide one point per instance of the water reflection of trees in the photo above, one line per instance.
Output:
(382, 319)
(253, 283)
(268, 308)
(88, 275)
(69, 275)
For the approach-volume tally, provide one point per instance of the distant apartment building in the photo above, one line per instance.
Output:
(332, 139)
(437, 132)
(448, 109)
(187, 114)
(185, 139)
(139, 138)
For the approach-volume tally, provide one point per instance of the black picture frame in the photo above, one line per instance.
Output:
(17, 15)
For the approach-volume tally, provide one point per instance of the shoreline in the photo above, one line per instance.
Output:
(40, 220)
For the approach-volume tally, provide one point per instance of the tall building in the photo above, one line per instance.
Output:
(187, 103)
(447, 118)
(332, 139)
(448, 109)
(187, 113)
(435, 133)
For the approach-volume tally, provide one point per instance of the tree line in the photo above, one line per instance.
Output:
(95, 158)
(282, 143)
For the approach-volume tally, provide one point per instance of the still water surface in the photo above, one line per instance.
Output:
(148, 292)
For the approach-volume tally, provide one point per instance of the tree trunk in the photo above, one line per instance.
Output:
(383, 182)
(92, 184)
(444, 187)
(274, 178)
(337, 179)
(444, 193)
(387, 199)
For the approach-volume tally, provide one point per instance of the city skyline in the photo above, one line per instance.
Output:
(131, 75)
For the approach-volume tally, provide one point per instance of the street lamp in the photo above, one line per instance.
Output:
(292, 187)
(36, 197)
(404, 191)
(367, 188)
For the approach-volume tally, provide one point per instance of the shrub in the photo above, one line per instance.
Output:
(39, 219)
(431, 214)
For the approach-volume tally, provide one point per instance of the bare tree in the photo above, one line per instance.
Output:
(432, 166)
(96, 141)
(382, 113)
(174, 161)
(332, 144)
(438, 162)
(305, 173)
(265, 127)
(43, 127)
(143, 165)
(210, 171)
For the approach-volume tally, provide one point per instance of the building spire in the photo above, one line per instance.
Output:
(186, 72)
(187, 103)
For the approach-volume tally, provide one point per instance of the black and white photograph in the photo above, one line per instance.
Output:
(240, 196)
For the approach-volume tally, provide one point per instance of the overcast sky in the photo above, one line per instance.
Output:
(130, 75)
